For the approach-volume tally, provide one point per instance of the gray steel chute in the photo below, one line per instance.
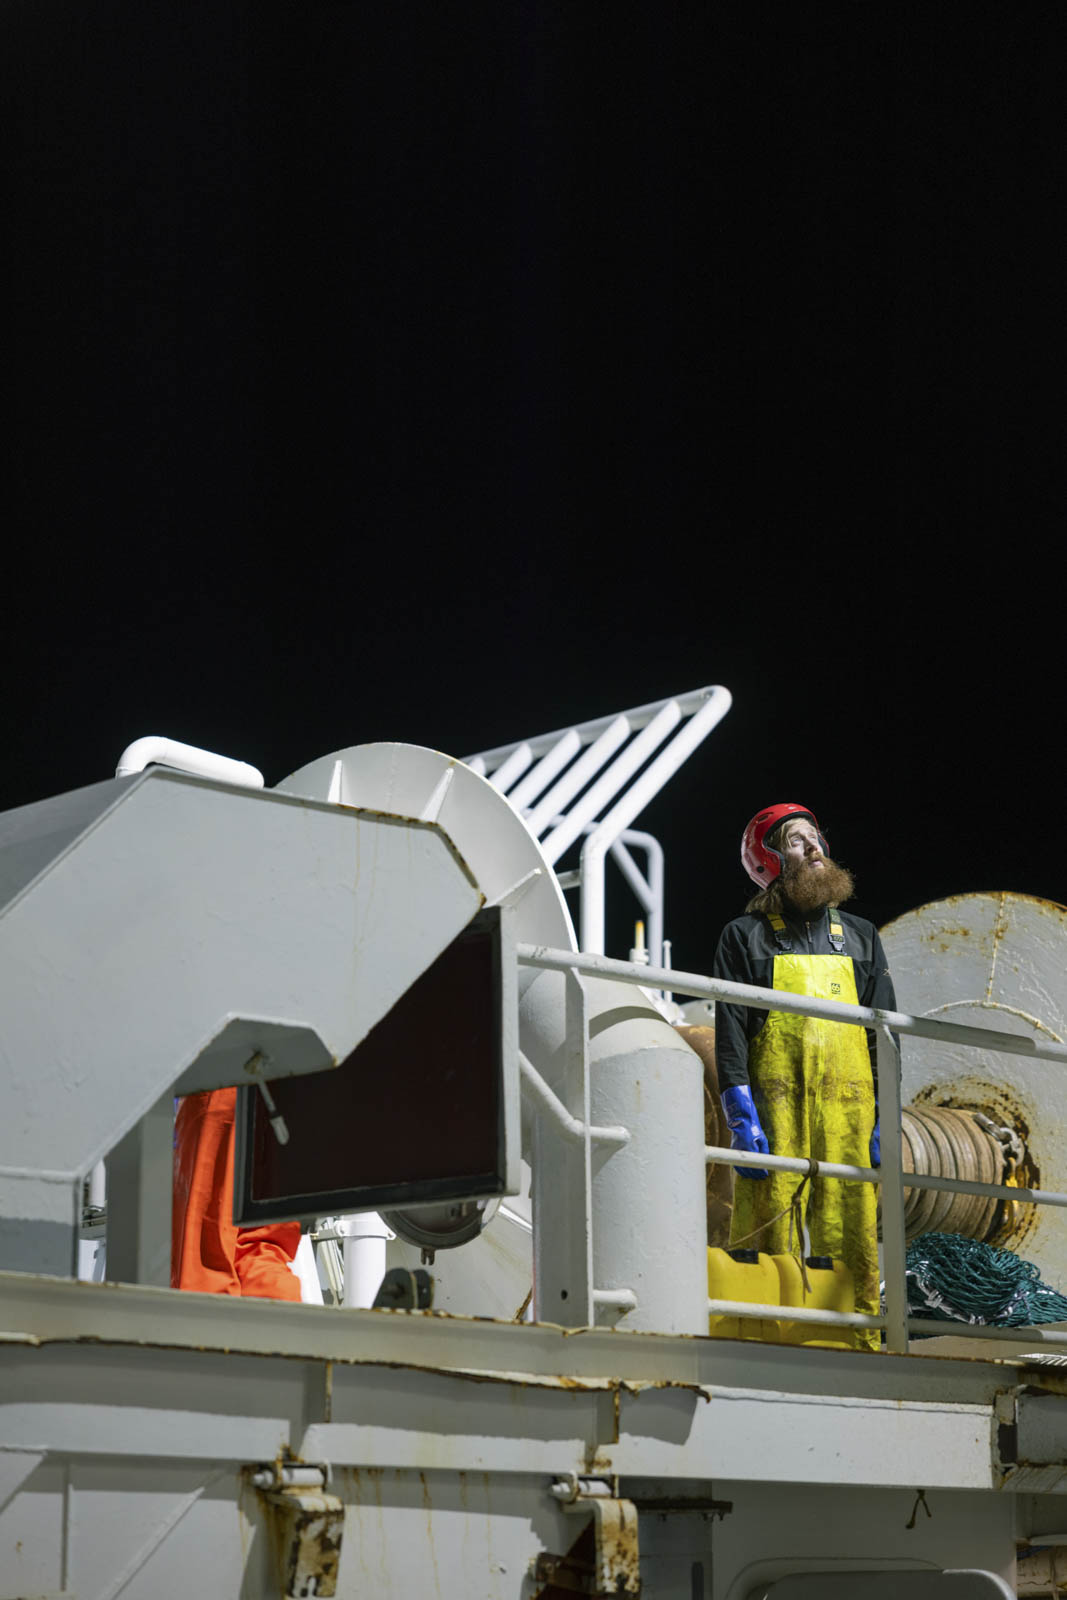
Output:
(156, 926)
(33, 838)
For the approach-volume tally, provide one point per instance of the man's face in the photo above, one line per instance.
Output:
(810, 879)
(800, 843)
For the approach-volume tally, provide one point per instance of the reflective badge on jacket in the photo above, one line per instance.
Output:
(821, 977)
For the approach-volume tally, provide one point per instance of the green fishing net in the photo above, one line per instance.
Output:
(952, 1279)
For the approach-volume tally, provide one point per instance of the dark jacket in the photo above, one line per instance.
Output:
(746, 955)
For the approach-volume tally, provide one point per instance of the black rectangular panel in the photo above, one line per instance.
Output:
(413, 1116)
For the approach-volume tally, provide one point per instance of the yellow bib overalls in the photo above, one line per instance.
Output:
(813, 1088)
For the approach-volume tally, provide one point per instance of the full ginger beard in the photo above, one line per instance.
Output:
(810, 887)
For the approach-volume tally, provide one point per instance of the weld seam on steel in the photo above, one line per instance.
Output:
(39, 1174)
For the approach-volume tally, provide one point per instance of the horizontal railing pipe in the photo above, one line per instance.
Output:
(995, 1191)
(916, 1325)
(550, 1103)
(982, 1330)
(721, 1155)
(693, 983)
(780, 1313)
(625, 1299)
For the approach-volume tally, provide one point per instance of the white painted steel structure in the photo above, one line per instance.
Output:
(585, 1046)
(564, 788)
(890, 1177)
(163, 934)
(134, 1422)
(156, 1444)
(992, 960)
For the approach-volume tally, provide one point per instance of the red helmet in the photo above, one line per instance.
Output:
(761, 862)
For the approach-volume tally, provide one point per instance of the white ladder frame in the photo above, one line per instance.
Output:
(565, 785)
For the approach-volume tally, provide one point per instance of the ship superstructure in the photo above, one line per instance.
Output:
(559, 1421)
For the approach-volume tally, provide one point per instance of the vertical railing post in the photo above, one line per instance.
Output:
(577, 1024)
(887, 1057)
(562, 1178)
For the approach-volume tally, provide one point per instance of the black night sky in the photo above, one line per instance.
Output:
(449, 373)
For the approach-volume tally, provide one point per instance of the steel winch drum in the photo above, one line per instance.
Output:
(946, 1143)
(993, 960)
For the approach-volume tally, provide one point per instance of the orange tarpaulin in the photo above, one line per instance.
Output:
(208, 1252)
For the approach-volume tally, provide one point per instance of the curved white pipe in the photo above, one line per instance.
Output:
(186, 758)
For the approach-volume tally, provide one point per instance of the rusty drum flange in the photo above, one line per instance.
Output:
(993, 960)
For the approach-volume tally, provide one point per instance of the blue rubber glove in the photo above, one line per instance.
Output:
(876, 1140)
(744, 1124)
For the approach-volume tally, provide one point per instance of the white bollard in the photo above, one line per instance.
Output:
(98, 1186)
(649, 1229)
(649, 1209)
(364, 1256)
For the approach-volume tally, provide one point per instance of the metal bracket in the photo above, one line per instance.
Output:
(403, 1290)
(307, 1524)
(570, 1573)
(616, 1568)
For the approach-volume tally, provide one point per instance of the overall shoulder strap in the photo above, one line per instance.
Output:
(837, 932)
(781, 933)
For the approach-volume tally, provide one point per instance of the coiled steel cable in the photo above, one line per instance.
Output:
(943, 1142)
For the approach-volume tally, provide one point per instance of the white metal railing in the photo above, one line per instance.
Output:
(890, 1177)
(552, 1106)
(647, 887)
(590, 781)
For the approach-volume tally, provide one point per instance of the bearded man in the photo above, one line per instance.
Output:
(799, 1086)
